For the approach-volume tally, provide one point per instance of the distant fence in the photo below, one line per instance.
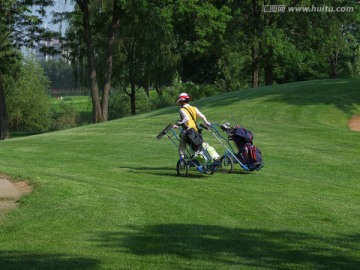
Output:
(69, 92)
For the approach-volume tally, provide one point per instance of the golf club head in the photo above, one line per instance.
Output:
(162, 133)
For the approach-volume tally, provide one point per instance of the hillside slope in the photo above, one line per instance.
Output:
(106, 196)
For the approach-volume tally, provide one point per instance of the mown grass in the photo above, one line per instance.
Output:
(80, 103)
(107, 195)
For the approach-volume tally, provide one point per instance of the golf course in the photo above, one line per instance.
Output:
(107, 196)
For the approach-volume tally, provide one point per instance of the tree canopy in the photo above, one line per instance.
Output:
(129, 46)
(19, 26)
(204, 40)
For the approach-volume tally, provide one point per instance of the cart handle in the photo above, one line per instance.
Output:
(163, 132)
(203, 126)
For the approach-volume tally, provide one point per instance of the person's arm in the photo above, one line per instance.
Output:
(184, 119)
(199, 114)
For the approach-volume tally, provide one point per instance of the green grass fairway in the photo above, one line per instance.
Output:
(81, 103)
(107, 195)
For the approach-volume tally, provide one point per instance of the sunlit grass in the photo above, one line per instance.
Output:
(107, 195)
(80, 103)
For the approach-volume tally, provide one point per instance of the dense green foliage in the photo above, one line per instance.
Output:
(225, 42)
(228, 44)
(19, 26)
(28, 98)
(70, 111)
(60, 74)
(106, 196)
(66, 116)
(119, 105)
(132, 48)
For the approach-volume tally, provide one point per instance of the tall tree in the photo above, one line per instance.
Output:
(264, 34)
(326, 42)
(113, 12)
(19, 26)
(60, 74)
(286, 43)
(147, 48)
(28, 97)
(199, 27)
(4, 119)
(143, 54)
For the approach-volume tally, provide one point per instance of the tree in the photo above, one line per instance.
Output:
(146, 48)
(60, 74)
(199, 27)
(28, 97)
(7, 55)
(4, 119)
(263, 33)
(288, 46)
(340, 48)
(143, 50)
(113, 13)
(18, 27)
(325, 42)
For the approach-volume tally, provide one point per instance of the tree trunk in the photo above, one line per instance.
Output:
(94, 89)
(147, 91)
(133, 89)
(333, 60)
(117, 11)
(133, 99)
(4, 120)
(130, 61)
(268, 74)
(159, 90)
(255, 66)
(255, 48)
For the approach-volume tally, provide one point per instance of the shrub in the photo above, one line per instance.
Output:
(167, 98)
(119, 104)
(28, 99)
(66, 117)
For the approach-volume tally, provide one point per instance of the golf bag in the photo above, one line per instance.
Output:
(248, 154)
(193, 138)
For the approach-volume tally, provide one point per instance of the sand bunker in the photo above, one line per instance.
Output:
(354, 123)
(10, 193)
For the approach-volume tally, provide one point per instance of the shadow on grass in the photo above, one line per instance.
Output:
(14, 260)
(343, 94)
(193, 172)
(203, 245)
(163, 171)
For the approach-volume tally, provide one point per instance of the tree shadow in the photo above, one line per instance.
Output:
(342, 94)
(15, 260)
(318, 92)
(206, 244)
(325, 92)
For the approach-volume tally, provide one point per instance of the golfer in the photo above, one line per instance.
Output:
(188, 117)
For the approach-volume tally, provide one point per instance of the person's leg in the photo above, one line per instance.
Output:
(182, 147)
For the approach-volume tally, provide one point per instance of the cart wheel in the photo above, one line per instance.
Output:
(182, 168)
(227, 164)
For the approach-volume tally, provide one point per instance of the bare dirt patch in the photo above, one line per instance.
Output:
(354, 123)
(11, 193)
